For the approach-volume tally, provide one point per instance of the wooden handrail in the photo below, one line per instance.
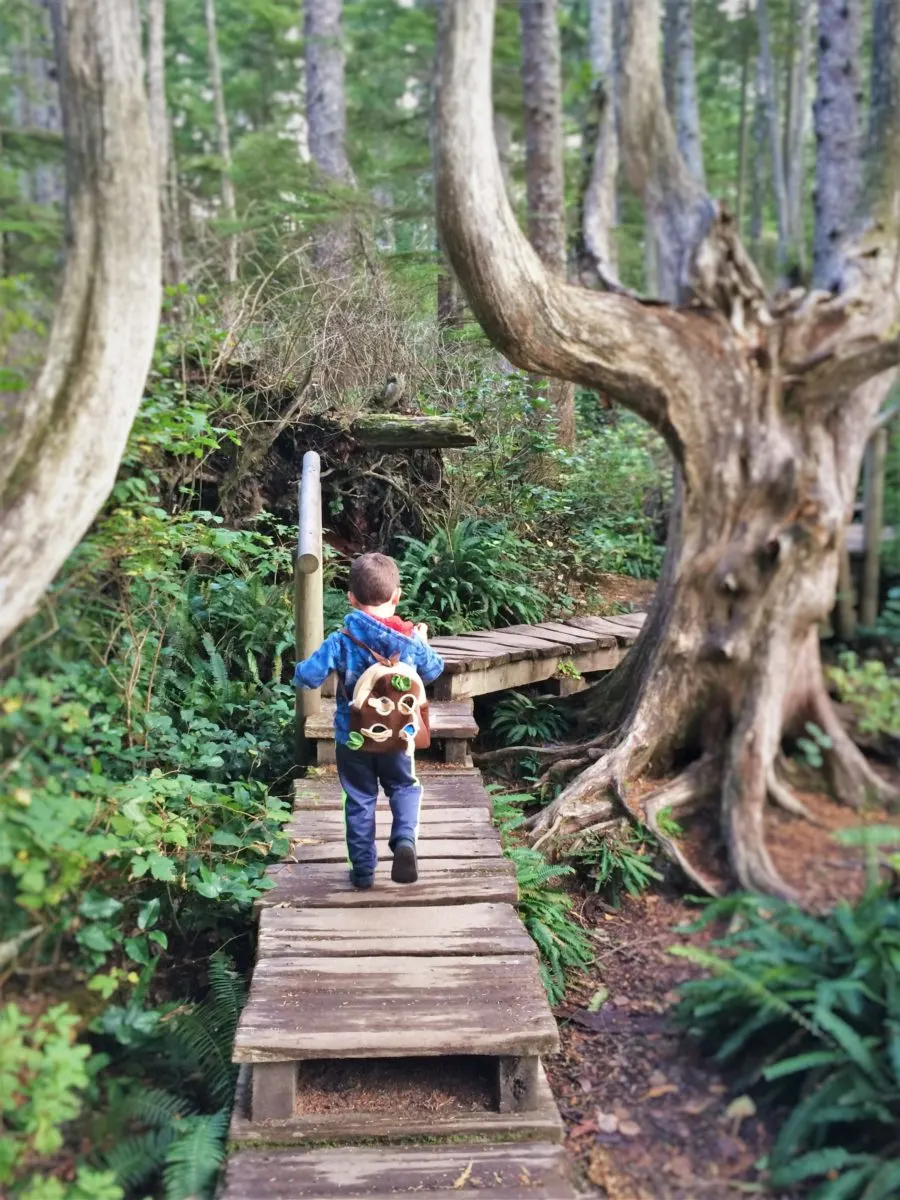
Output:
(309, 618)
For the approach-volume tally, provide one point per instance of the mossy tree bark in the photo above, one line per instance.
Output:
(766, 405)
(63, 439)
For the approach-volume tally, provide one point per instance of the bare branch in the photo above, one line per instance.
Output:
(832, 374)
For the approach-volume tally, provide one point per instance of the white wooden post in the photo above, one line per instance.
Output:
(309, 618)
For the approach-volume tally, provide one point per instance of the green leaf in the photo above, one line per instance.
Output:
(96, 906)
(162, 868)
(148, 914)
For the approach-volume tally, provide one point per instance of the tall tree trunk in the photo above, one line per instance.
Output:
(229, 207)
(39, 111)
(765, 407)
(743, 127)
(326, 115)
(884, 130)
(598, 217)
(873, 524)
(681, 83)
(173, 260)
(795, 132)
(63, 439)
(544, 184)
(768, 79)
(760, 174)
(838, 136)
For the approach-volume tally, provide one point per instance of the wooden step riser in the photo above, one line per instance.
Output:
(351, 1124)
(441, 881)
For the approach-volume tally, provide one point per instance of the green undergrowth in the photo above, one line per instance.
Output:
(805, 1009)
(544, 909)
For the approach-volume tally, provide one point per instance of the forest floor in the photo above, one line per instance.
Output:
(646, 1118)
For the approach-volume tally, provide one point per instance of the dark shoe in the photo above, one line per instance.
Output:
(405, 868)
(362, 881)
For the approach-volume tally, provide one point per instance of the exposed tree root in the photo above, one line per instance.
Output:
(853, 780)
(694, 787)
(781, 794)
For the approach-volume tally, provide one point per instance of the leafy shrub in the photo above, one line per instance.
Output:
(544, 910)
(870, 690)
(520, 718)
(174, 1130)
(812, 746)
(808, 1008)
(618, 862)
(470, 576)
(888, 623)
(44, 1074)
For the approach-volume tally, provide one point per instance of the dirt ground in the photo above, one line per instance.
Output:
(646, 1118)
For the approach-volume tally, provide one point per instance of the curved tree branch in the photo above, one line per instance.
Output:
(639, 355)
(63, 439)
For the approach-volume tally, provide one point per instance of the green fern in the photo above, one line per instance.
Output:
(195, 1155)
(808, 1007)
(545, 912)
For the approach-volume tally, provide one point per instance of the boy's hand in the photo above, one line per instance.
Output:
(422, 630)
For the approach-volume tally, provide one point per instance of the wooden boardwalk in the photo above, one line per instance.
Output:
(495, 660)
(355, 993)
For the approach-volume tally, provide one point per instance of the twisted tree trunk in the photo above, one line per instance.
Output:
(64, 438)
(766, 407)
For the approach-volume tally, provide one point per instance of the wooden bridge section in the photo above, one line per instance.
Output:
(391, 1043)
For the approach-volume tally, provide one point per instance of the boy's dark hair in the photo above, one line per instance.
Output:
(374, 578)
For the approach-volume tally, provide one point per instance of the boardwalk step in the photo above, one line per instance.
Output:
(501, 1172)
(336, 851)
(352, 1121)
(433, 822)
(394, 1007)
(468, 929)
(440, 789)
(441, 881)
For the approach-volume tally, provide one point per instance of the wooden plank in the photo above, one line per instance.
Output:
(336, 851)
(273, 1091)
(523, 673)
(517, 1083)
(583, 635)
(622, 633)
(449, 719)
(518, 642)
(468, 929)
(394, 1007)
(442, 881)
(447, 789)
(445, 822)
(503, 1171)
(359, 1125)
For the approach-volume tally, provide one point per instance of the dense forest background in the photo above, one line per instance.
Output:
(146, 706)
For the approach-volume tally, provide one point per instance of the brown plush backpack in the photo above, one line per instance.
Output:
(389, 708)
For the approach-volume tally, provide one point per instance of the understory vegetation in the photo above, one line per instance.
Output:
(805, 1010)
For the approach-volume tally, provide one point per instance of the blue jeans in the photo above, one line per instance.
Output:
(360, 774)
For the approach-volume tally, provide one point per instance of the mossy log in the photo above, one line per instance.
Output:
(397, 431)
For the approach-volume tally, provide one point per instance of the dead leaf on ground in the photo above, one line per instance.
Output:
(629, 1129)
(697, 1105)
(606, 1122)
(464, 1178)
(662, 1089)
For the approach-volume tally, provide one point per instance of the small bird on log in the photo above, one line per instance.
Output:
(390, 398)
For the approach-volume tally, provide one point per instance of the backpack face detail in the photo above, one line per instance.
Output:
(389, 710)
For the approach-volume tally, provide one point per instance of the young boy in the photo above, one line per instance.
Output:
(374, 596)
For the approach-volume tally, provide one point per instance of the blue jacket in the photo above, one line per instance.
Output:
(338, 653)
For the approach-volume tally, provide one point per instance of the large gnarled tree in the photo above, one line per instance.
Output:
(766, 405)
(63, 439)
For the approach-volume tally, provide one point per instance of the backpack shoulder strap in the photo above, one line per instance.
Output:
(379, 658)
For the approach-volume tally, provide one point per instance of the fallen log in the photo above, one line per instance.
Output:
(397, 431)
